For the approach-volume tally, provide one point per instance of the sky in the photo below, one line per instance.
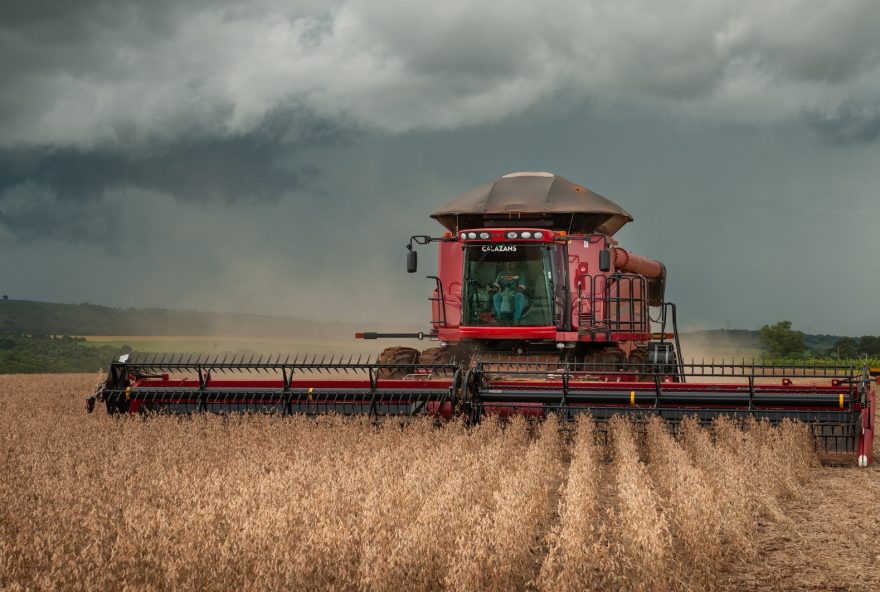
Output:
(275, 156)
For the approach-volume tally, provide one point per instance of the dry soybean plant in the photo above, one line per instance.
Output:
(257, 502)
(578, 558)
(641, 544)
(691, 507)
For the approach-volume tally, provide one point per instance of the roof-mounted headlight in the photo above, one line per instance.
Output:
(511, 235)
(526, 234)
(539, 234)
(485, 235)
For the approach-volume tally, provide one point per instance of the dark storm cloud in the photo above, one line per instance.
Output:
(229, 140)
(124, 73)
(251, 167)
(65, 186)
(31, 212)
(849, 124)
(100, 98)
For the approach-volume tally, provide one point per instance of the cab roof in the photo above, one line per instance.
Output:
(534, 199)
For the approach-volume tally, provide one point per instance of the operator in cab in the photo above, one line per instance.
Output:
(509, 289)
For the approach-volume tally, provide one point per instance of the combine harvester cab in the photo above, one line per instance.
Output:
(836, 402)
(308, 385)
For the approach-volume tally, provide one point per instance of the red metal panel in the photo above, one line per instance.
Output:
(583, 260)
(449, 270)
(504, 332)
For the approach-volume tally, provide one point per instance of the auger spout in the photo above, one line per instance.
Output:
(651, 269)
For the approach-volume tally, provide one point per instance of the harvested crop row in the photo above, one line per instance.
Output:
(254, 503)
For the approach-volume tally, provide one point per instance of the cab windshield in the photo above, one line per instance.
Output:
(507, 284)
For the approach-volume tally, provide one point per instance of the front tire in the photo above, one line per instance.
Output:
(404, 358)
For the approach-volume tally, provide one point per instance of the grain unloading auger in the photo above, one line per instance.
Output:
(535, 309)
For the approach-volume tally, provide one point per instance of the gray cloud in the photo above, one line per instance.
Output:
(849, 124)
(234, 169)
(119, 74)
(328, 131)
(264, 165)
(67, 188)
(34, 213)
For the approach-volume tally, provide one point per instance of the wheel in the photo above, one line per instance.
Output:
(406, 357)
(665, 360)
(638, 359)
(436, 355)
(672, 369)
(610, 358)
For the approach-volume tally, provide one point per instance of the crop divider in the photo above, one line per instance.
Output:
(374, 378)
(204, 377)
(564, 403)
(658, 389)
(287, 379)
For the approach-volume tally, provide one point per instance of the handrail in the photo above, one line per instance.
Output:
(442, 298)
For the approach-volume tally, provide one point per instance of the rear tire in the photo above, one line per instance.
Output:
(638, 358)
(610, 358)
(406, 357)
(673, 369)
(436, 355)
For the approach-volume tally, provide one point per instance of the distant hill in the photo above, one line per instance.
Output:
(47, 318)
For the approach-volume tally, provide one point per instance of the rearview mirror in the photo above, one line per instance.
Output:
(412, 261)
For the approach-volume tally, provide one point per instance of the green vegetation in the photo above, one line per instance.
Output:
(782, 343)
(27, 354)
(825, 361)
(848, 347)
(781, 340)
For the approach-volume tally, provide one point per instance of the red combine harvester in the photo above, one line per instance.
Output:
(536, 310)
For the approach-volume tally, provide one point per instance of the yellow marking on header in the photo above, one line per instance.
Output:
(841, 400)
(632, 397)
(310, 393)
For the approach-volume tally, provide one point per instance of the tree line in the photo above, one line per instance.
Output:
(781, 340)
(27, 354)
